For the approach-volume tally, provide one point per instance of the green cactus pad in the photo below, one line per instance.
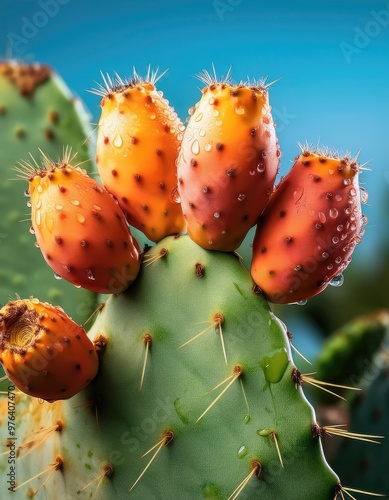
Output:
(164, 389)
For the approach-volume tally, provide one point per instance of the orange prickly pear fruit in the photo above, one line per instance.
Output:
(43, 351)
(228, 162)
(80, 229)
(137, 143)
(310, 227)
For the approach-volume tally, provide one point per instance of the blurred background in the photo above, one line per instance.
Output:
(332, 59)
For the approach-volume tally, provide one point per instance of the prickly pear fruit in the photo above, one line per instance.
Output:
(309, 229)
(43, 351)
(79, 228)
(228, 163)
(37, 110)
(138, 138)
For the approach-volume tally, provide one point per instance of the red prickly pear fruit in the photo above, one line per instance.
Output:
(80, 229)
(139, 134)
(43, 351)
(309, 229)
(228, 163)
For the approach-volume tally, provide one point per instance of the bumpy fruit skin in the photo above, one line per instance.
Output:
(43, 351)
(227, 164)
(138, 137)
(81, 230)
(309, 229)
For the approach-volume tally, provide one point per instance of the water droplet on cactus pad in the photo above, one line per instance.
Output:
(337, 280)
(264, 432)
(118, 141)
(274, 365)
(364, 195)
(242, 452)
(247, 419)
(57, 276)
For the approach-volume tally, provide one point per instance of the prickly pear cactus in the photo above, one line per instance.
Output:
(37, 110)
(196, 393)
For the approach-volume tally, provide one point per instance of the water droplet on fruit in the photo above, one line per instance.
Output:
(202, 133)
(338, 197)
(365, 220)
(338, 260)
(334, 213)
(216, 215)
(181, 127)
(29, 204)
(241, 197)
(330, 266)
(274, 365)
(195, 148)
(58, 207)
(211, 100)
(26, 192)
(118, 141)
(346, 182)
(90, 275)
(364, 195)
(36, 244)
(322, 217)
(298, 193)
(325, 255)
(77, 286)
(215, 112)
(335, 240)
(239, 110)
(76, 203)
(38, 217)
(208, 147)
(57, 276)
(353, 192)
(191, 110)
(242, 452)
(174, 196)
(261, 167)
(247, 419)
(302, 302)
(80, 218)
(39, 188)
(219, 122)
(32, 230)
(198, 117)
(337, 280)
(252, 172)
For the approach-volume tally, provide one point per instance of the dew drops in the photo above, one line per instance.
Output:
(76, 203)
(32, 230)
(364, 194)
(346, 182)
(208, 147)
(202, 133)
(261, 167)
(216, 215)
(340, 227)
(195, 148)
(322, 217)
(337, 280)
(59, 207)
(80, 218)
(215, 112)
(338, 197)
(38, 217)
(90, 274)
(302, 302)
(181, 127)
(36, 244)
(242, 452)
(334, 213)
(330, 266)
(211, 100)
(252, 172)
(77, 286)
(198, 117)
(118, 141)
(26, 192)
(174, 196)
(335, 240)
(241, 197)
(191, 110)
(239, 110)
(298, 193)
(29, 204)
(365, 220)
(39, 188)
(325, 255)
(57, 276)
(353, 192)
(338, 260)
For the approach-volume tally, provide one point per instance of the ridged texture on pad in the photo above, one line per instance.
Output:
(80, 229)
(180, 291)
(227, 164)
(138, 138)
(309, 229)
(36, 111)
(43, 351)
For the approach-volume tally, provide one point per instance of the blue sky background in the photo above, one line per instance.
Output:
(332, 58)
